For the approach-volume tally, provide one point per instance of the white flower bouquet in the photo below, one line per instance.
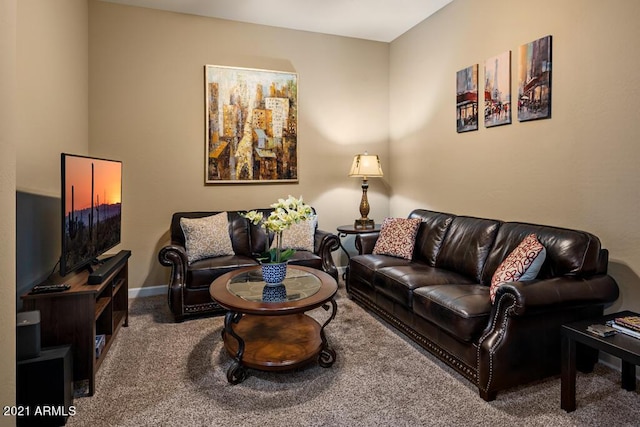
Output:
(285, 213)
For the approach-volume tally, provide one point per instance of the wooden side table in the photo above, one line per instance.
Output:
(346, 230)
(350, 229)
(620, 345)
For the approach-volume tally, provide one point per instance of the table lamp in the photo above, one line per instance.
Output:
(365, 166)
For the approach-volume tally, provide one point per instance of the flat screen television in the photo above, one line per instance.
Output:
(91, 210)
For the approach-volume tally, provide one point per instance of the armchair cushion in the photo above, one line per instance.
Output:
(206, 237)
(299, 236)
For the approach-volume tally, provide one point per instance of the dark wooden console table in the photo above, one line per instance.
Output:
(620, 345)
(74, 317)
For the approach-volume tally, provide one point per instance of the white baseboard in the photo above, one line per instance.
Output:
(147, 291)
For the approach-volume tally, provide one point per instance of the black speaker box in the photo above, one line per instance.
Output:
(28, 335)
(45, 386)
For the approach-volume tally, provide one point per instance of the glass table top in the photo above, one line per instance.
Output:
(297, 285)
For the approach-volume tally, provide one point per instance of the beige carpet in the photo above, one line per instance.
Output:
(160, 373)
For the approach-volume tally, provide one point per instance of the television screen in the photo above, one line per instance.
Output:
(91, 209)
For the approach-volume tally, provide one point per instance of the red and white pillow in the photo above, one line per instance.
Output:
(523, 263)
(397, 237)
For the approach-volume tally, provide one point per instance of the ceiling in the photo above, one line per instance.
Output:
(379, 20)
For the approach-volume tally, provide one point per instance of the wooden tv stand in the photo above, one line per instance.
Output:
(77, 315)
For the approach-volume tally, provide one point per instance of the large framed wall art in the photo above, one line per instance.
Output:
(467, 99)
(251, 126)
(534, 80)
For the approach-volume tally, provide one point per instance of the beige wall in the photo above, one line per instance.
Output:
(7, 201)
(578, 170)
(49, 116)
(53, 96)
(52, 117)
(147, 109)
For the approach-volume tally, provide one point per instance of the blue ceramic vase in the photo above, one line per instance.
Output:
(274, 273)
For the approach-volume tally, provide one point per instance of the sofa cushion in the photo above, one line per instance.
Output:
(467, 245)
(398, 283)
(300, 235)
(201, 273)
(532, 272)
(523, 262)
(431, 234)
(460, 309)
(259, 238)
(568, 252)
(306, 259)
(364, 267)
(397, 237)
(238, 228)
(206, 237)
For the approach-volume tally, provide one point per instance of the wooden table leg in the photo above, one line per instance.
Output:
(568, 377)
(628, 376)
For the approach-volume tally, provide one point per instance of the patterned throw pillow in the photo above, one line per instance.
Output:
(300, 235)
(206, 237)
(523, 263)
(397, 237)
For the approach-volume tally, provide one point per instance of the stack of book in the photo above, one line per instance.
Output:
(629, 325)
(602, 330)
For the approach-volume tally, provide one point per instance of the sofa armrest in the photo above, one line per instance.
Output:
(324, 244)
(551, 302)
(175, 256)
(365, 242)
(600, 289)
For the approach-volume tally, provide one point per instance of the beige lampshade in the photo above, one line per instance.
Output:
(366, 166)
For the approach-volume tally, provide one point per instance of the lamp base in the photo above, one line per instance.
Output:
(364, 223)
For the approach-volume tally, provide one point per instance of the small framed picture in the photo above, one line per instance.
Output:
(467, 99)
(534, 80)
(497, 90)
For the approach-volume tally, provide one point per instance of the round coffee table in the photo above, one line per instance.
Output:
(266, 327)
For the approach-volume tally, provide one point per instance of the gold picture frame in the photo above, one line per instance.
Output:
(251, 126)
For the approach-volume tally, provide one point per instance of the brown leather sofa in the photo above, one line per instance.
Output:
(440, 298)
(189, 283)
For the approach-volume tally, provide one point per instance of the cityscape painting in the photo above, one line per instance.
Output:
(497, 90)
(534, 80)
(251, 126)
(467, 99)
